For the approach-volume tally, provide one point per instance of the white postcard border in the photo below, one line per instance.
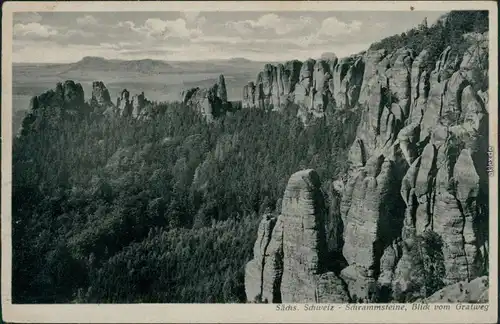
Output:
(232, 313)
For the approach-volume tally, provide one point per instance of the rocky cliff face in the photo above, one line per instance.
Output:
(414, 204)
(211, 102)
(312, 84)
(289, 262)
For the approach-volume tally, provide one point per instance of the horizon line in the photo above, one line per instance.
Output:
(187, 61)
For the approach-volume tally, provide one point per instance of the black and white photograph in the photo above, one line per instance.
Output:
(271, 156)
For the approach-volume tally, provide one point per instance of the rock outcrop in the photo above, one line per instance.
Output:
(140, 106)
(416, 134)
(123, 104)
(68, 99)
(474, 291)
(211, 102)
(101, 100)
(290, 260)
(313, 85)
(414, 203)
(53, 106)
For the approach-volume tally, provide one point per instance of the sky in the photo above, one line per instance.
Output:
(63, 37)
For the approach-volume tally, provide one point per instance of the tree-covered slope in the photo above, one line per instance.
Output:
(179, 194)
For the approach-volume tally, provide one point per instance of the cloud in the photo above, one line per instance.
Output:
(223, 40)
(170, 28)
(34, 30)
(381, 25)
(191, 16)
(156, 28)
(332, 27)
(73, 32)
(280, 25)
(193, 35)
(86, 20)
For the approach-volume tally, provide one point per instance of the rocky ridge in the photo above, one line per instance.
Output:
(312, 84)
(414, 204)
(68, 99)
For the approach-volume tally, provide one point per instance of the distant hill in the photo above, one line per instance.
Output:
(146, 66)
(101, 64)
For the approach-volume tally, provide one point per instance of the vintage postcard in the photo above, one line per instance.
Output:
(245, 162)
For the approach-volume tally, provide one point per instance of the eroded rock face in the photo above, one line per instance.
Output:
(414, 204)
(303, 88)
(291, 76)
(294, 269)
(254, 271)
(304, 248)
(474, 291)
(347, 94)
(475, 60)
(268, 86)
(320, 91)
(53, 106)
(71, 93)
(139, 103)
(372, 221)
(249, 93)
(211, 102)
(221, 89)
(123, 104)
(101, 101)
(313, 85)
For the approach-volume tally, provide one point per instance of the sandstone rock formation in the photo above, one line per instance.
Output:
(53, 106)
(101, 100)
(289, 262)
(254, 273)
(313, 85)
(415, 132)
(249, 98)
(68, 100)
(140, 106)
(475, 291)
(414, 204)
(211, 102)
(123, 104)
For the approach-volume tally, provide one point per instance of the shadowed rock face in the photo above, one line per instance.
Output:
(53, 106)
(211, 102)
(249, 96)
(254, 271)
(313, 85)
(139, 106)
(123, 104)
(101, 101)
(67, 101)
(414, 202)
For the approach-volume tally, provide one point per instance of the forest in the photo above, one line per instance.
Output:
(120, 210)
(163, 210)
(447, 31)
